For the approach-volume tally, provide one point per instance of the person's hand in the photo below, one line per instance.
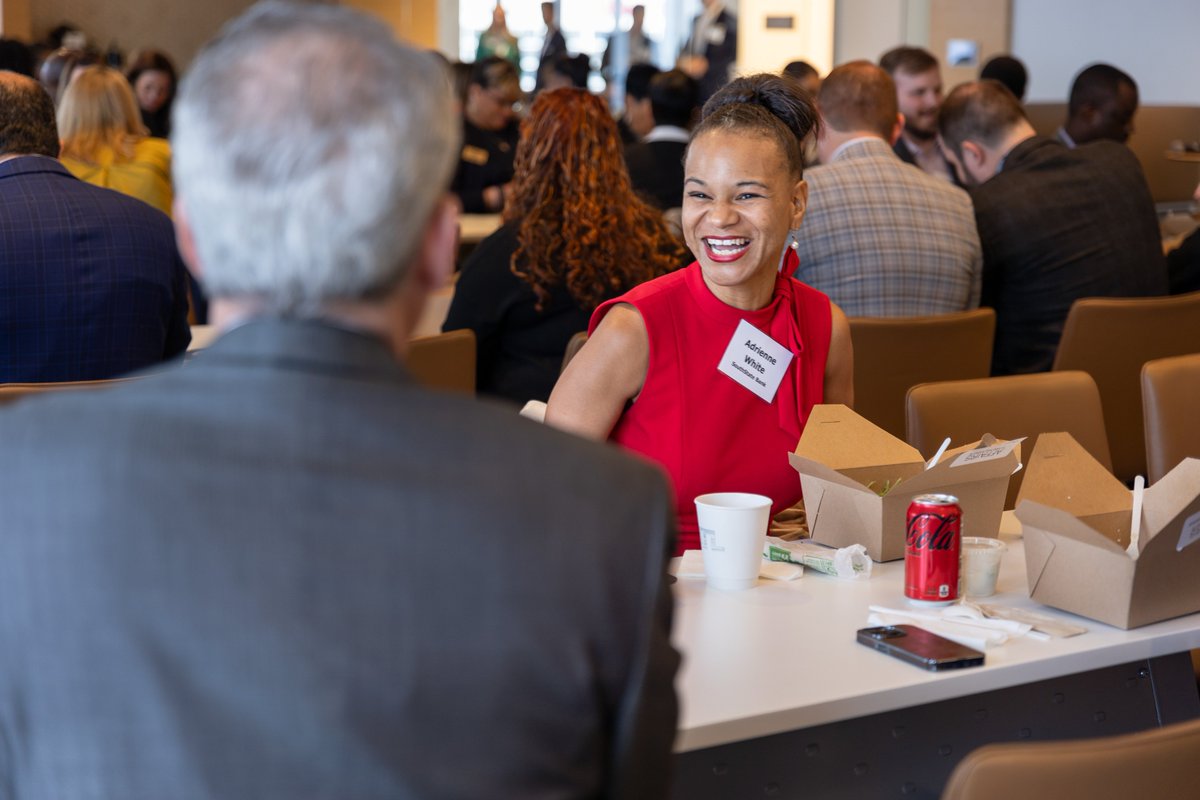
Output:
(493, 197)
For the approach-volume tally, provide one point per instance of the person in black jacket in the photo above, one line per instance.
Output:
(656, 163)
(485, 164)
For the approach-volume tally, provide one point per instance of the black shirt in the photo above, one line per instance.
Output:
(486, 160)
(520, 348)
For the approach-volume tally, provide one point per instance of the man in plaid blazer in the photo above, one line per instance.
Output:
(1055, 224)
(881, 237)
(91, 285)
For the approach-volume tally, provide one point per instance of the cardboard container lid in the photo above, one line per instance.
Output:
(842, 440)
(1062, 474)
(1077, 530)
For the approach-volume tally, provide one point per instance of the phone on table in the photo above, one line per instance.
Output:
(920, 647)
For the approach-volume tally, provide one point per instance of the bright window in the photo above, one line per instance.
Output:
(586, 25)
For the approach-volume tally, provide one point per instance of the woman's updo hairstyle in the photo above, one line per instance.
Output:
(768, 105)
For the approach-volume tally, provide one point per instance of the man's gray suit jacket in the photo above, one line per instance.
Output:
(284, 570)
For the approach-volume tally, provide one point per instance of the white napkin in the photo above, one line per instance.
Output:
(534, 410)
(1044, 627)
(962, 624)
(691, 565)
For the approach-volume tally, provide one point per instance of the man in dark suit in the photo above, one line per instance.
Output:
(284, 570)
(1055, 224)
(710, 52)
(91, 284)
(638, 117)
(554, 45)
(656, 163)
(918, 79)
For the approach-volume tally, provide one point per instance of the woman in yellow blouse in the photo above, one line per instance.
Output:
(104, 141)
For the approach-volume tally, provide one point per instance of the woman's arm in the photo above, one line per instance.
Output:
(610, 370)
(839, 365)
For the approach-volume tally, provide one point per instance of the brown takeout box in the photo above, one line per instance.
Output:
(840, 452)
(1076, 517)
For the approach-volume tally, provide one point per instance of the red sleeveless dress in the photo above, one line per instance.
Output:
(704, 428)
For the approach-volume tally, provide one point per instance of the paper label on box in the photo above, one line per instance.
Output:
(1191, 531)
(986, 453)
(755, 360)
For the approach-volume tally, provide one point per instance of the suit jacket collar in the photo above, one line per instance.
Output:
(306, 345)
(1033, 149)
(31, 164)
(862, 147)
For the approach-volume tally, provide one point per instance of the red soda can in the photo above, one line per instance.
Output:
(932, 540)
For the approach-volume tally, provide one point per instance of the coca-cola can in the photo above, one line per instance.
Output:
(932, 542)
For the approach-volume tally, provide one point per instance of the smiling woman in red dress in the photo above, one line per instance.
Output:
(712, 370)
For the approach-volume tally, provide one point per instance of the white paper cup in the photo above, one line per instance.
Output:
(981, 565)
(733, 530)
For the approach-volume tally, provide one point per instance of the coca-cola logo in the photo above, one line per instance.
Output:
(930, 531)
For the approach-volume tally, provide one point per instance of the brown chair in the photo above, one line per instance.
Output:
(444, 360)
(202, 337)
(893, 354)
(1160, 762)
(1008, 407)
(574, 345)
(12, 392)
(1171, 399)
(1111, 339)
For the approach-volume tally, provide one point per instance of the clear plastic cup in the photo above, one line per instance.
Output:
(981, 565)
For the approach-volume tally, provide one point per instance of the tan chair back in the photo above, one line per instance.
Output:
(1171, 400)
(1110, 339)
(574, 345)
(12, 392)
(893, 354)
(1160, 762)
(1008, 407)
(444, 360)
(202, 337)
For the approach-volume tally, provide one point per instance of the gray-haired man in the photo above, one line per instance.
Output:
(284, 570)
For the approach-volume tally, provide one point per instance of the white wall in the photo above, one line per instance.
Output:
(866, 29)
(1155, 41)
(762, 49)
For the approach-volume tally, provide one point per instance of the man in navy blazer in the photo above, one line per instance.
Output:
(91, 284)
(284, 569)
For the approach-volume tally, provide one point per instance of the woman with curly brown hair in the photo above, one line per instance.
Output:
(574, 235)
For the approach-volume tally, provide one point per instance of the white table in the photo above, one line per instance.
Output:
(474, 228)
(782, 657)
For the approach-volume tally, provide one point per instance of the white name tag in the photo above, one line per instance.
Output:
(716, 35)
(755, 360)
(986, 453)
